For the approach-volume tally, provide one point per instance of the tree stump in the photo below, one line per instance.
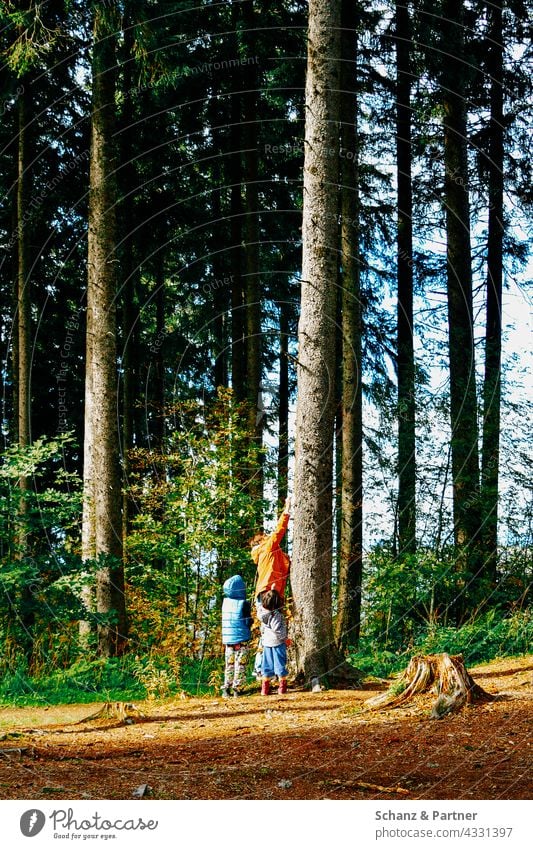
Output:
(448, 677)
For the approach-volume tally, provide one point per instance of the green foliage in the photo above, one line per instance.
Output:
(195, 516)
(52, 504)
(401, 593)
(34, 32)
(38, 602)
(485, 638)
(157, 680)
(85, 681)
(408, 595)
(109, 679)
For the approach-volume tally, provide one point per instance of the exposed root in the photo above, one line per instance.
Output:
(345, 676)
(447, 675)
(339, 676)
(123, 711)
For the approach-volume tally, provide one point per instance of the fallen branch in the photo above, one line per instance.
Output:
(18, 751)
(445, 673)
(366, 785)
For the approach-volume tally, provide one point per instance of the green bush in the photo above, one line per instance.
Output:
(487, 637)
(99, 680)
(112, 679)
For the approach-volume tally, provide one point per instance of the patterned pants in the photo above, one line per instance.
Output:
(235, 668)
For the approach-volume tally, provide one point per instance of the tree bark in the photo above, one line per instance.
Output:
(104, 485)
(463, 406)
(158, 392)
(23, 315)
(347, 624)
(283, 407)
(220, 291)
(493, 332)
(129, 266)
(406, 366)
(238, 294)
(22, 542)
(316, 655)
(251, 243)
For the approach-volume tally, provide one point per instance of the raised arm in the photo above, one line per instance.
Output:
(281, 527)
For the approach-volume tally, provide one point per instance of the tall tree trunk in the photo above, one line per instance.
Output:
(158, 394)
(104, 488)
(23, 312)
(463, 407)
(351, 530)
(251, 244)
(283, 407)
(129, 267)
(219, 292)
(129, 380)
(493, 333)
(337, 502)
(316, 655)
(238, 295)
(24, 357)
(406, 366)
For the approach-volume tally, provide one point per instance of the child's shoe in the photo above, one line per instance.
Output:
(282, 689)
(236, 694)
(225, 693)
(265, 687)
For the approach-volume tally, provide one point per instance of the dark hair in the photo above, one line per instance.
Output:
(271, 600)
(257, 538)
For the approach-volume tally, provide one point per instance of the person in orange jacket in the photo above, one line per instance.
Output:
(272, 568)
(271, 561)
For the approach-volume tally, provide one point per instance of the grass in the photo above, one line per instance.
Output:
(115, 679)
(126, 679)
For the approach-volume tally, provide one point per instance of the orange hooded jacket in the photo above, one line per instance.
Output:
(272, 563)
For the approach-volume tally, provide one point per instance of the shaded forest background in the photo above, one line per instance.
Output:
(152, 171)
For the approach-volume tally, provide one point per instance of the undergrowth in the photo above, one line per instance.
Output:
(158, 677)
(114, 679)
(486, 638)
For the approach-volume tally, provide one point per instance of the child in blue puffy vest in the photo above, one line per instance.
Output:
(236, 634)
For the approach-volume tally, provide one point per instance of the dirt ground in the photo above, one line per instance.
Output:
(299, 746)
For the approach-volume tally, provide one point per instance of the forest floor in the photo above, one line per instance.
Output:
(299, 746)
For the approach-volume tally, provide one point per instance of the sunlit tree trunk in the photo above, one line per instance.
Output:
(103, 489)
(316, 654)
(283, 411)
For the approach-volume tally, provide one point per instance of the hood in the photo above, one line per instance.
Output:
(235, 588)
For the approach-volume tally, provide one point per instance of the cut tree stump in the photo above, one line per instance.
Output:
(448, 677)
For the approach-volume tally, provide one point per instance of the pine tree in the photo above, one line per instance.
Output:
(406, 370)
(463, 405)
(102, 473)
(493, 335)
(312, 566)
(350, 567)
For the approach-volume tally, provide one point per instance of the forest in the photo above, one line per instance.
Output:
(252, 250)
